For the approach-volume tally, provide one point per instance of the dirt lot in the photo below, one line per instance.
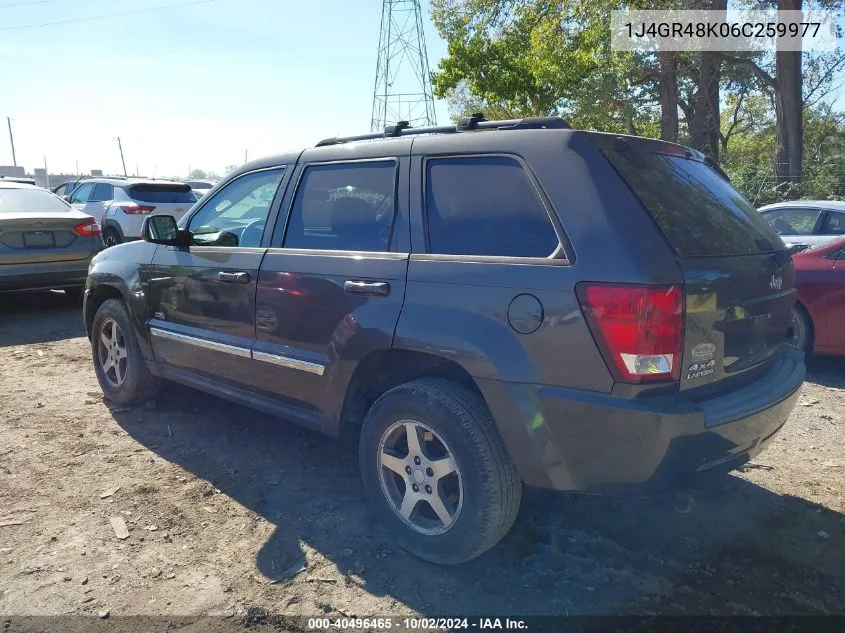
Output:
(225, 507)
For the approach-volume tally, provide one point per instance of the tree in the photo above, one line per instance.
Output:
(198, 173)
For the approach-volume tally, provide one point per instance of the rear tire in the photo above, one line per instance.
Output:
(120, 367)
(111, 237)
(464, 490)
(802, 329)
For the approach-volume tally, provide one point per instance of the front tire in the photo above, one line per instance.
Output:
(436, 472)
(121, 371)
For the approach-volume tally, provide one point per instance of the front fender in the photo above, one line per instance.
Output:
(120, 271)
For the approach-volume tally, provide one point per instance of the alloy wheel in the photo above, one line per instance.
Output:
(112, 353)
(420, 477)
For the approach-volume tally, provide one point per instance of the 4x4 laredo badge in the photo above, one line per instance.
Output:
(704, 363)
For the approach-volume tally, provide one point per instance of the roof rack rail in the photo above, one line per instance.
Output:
(466, 124)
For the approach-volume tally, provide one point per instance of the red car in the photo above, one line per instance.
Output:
(818, 318)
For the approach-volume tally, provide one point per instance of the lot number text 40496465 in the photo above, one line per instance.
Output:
(417, 624)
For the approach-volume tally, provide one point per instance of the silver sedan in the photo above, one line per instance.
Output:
(44, 242)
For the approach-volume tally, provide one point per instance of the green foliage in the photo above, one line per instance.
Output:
(751, 153)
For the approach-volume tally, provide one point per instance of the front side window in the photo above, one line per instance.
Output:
(793, 221)
(344, 207)
(82, 193)
(485, 205)
(236, 215)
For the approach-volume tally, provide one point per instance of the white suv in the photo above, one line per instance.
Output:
(121, 204)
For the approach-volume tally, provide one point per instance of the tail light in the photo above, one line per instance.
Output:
(136, 209)
(87, 229)
(639, 329)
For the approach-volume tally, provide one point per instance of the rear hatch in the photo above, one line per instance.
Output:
(162, 198)
(738, 277)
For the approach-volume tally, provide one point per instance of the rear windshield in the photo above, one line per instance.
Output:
(25, 200)
(699, 212)
(162, 193)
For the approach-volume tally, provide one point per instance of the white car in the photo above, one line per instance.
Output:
(805, 223)
(121, 204)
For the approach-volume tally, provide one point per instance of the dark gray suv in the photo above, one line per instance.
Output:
(490, 305)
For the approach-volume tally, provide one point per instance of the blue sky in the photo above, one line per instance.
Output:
(190, 86)
(193, 86)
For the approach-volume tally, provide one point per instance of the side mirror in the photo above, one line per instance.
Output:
(162, 229)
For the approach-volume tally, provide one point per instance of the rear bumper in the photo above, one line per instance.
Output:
(60, 275)
(582, 441)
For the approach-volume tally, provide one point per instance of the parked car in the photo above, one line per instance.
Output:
(44, 242)
(64, 190)
(805, 223)
(820, 310)
(19, 179)
(199, 187)
(121, 204)
(529, 305)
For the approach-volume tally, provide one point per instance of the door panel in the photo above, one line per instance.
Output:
(310, 330)
(836, 306)
(200, 321)
(202, 298)
(320, 310)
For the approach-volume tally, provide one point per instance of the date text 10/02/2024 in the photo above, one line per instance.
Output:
(422, 624)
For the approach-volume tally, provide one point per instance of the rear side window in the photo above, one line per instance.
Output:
(485, 205)
(162, 194)
(344, 207)
(102, 192)
(698, 211)
(793, 221)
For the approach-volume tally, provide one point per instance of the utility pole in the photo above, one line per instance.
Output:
(120, 146)
(77, 168)
(46, 173)
(12, 141)
(246, 155)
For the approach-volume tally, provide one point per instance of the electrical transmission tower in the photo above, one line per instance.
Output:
(403, 83)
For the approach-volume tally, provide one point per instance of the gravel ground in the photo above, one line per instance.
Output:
(229, 512)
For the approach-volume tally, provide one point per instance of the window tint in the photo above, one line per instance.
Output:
(698, 211)
(793, 221)
(102, 192)
(82, 193)
(344, 207)
(235, 215)
(834, 223)
(163, 194)
(485, 206)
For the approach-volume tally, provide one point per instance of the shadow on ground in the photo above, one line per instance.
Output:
(741, 550)
(828, 371)
(28, 318)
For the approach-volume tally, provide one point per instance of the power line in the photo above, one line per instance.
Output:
(24, 4)
(105, 16)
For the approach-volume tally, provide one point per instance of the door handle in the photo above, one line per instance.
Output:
(233, 278)
(376, 288)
